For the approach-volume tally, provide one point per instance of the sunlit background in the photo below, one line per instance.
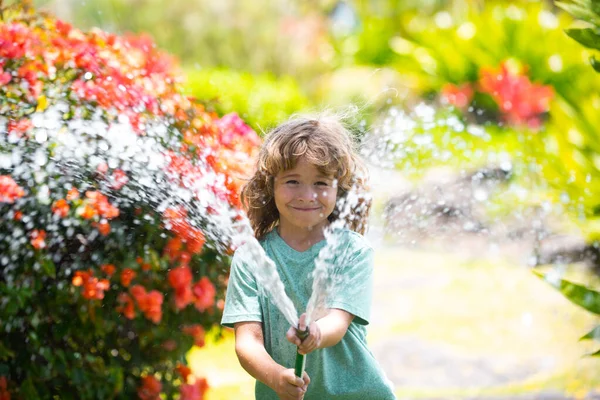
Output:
(480, 121)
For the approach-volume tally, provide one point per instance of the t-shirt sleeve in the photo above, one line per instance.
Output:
(242, 302)
(353, 293)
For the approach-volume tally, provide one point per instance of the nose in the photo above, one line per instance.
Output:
(307, 194)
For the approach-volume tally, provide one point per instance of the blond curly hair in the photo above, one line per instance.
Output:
(329, 146)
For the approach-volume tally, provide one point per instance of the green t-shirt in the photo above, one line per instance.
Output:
(347, 370)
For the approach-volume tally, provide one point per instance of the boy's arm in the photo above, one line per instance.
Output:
(325, 332)
(251, 352)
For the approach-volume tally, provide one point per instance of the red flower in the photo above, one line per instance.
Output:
(63, 27)
(108, 269)
(520, 101)
(72, 194)
(138, 292)
(185, 258)
(125, 306)
(195, 390)
(149, 303)
(184, 371)
(152, 306)
(173, 248)
(9, 190)
(100, 205)
(143, 265)
(92, 287)
(183, 297)
(4, 393)
(458, 96)
(38, 238)
(233, 128)
(19, 127)
(16, 41)
(197, 332)
(169, 345)
(205, 292)
(180, 277)
(195, 241)
(118, 179)
(103, 227)
(149, 389)
(60, 208)
(5, 77)
(88, 212)
(127, 276)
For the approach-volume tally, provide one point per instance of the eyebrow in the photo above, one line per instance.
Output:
(292, 175)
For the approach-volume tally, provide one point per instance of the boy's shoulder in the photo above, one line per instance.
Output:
(355, 240)
(248, 249)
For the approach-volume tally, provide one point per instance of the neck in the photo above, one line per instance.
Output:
(300, 239)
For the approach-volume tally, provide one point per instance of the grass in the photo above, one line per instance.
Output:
(476, 308)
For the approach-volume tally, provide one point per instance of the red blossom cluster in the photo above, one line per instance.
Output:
(9, 190)
(177, 222)
(4, 393)
(149, 389)
(193, 387)
(149, 303)
(202, 293)
(194, 390)
(197, 332)
(92, 288)
(520, 102)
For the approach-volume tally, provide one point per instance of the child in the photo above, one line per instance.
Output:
(304, 166)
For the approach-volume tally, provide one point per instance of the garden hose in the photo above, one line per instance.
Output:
(301, 358)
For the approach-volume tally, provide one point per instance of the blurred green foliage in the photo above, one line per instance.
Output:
(249, 35)
(452, 46)
(263, 101)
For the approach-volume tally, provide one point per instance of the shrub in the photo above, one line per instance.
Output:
(112, 184)
(264, 101)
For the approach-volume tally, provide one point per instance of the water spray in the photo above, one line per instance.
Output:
(301, 358)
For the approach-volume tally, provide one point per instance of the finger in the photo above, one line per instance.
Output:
(306, 378)
(295, 392)
(303, 349)
(291, 336)
(302, 322)
(309, 341)
(291, 378)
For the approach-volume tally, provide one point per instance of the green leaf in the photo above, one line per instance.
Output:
(594, 334)
(5, 353)
(596, 354)
(586, 36)
(577, 11)
(116, 376)
(48, 267)
(596, 65)
(28, 390)
(578, 294)
(596, 7)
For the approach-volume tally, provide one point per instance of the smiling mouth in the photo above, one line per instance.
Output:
(307, 209)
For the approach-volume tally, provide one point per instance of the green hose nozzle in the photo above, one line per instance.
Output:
(301, 358)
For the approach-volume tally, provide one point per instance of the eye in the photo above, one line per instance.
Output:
(291, 182)
(321, 183)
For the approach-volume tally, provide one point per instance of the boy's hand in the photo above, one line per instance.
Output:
(311, 342)
(289, 387)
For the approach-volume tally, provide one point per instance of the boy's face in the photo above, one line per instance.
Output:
(304, 196)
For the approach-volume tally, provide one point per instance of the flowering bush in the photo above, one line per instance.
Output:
(115, 194)
(518, 101)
